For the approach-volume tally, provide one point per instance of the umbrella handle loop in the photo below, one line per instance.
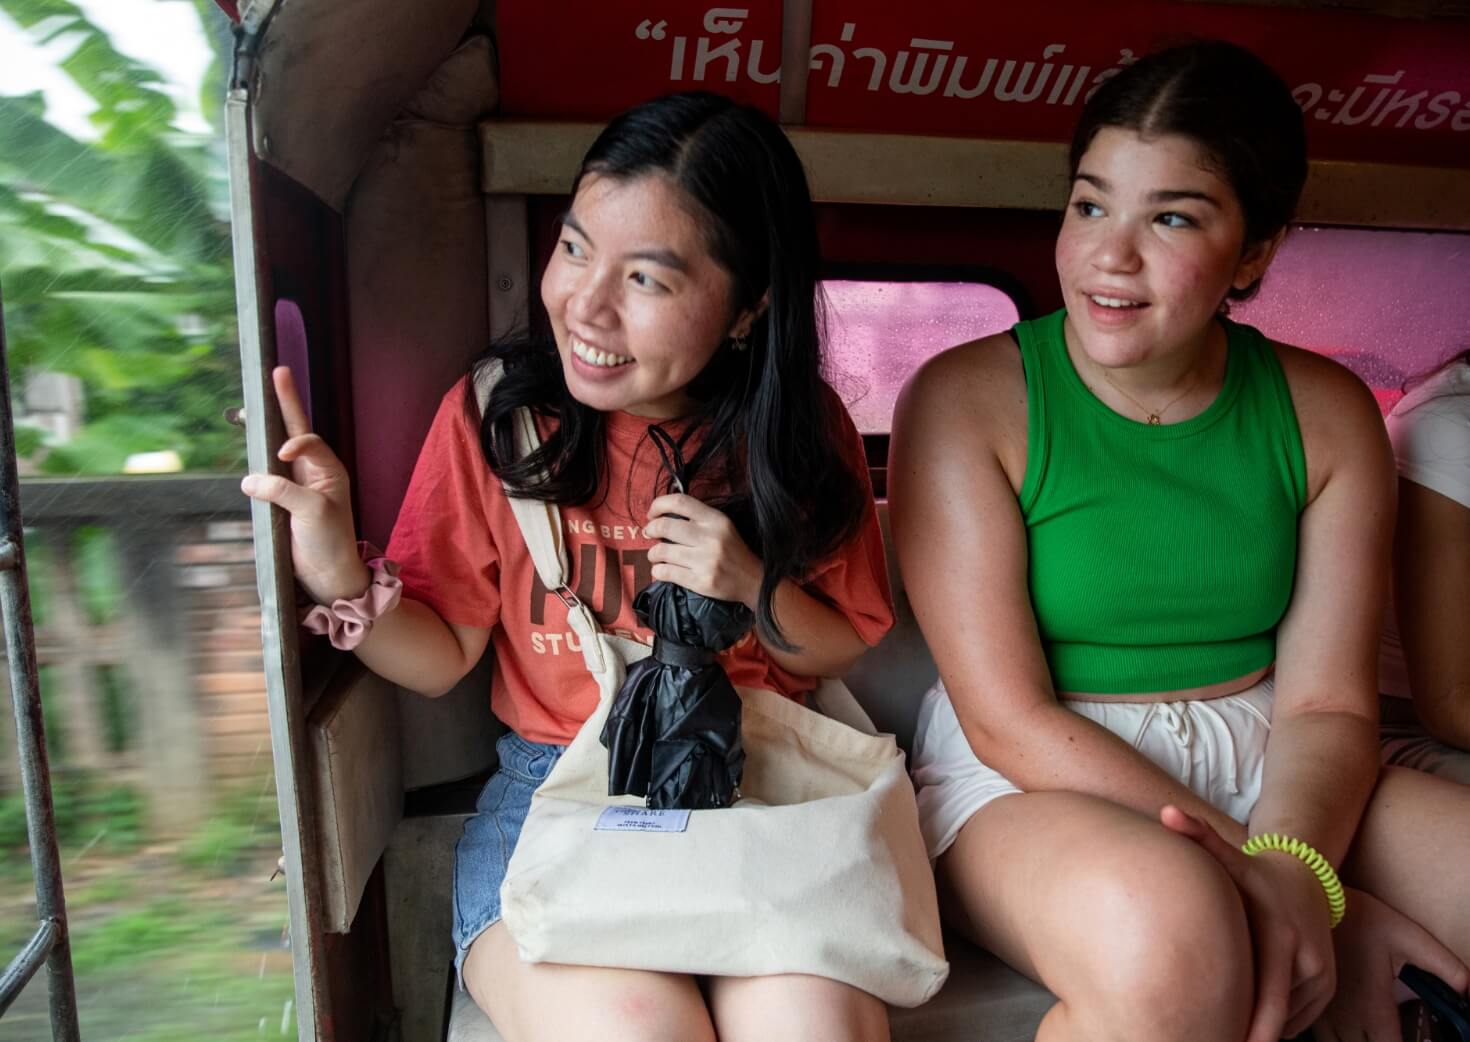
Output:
(669, 452)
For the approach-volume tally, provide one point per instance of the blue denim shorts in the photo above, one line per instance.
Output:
(483, 852)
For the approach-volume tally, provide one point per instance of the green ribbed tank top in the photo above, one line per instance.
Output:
(1161, 557)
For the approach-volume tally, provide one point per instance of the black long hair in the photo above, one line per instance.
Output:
(1230, 103)
(765, 421)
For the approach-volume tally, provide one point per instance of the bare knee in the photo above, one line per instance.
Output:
(549, 1003)
(1172, 948)
(628, 1016)
(1139, 933)
(648, 1017)
(759, 1009)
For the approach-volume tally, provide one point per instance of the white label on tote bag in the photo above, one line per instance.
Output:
(640, 819)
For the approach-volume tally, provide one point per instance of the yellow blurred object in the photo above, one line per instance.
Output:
(165, 462)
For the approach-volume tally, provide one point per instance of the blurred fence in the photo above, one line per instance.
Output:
(148, 637)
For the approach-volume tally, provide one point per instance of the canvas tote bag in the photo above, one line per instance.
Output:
(819, 869)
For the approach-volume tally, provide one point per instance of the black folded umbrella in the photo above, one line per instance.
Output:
(673, 732)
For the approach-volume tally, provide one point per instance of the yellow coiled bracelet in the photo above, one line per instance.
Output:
(1307, 854)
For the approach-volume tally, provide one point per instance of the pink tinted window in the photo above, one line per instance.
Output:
(1389, 305)
(879, 332)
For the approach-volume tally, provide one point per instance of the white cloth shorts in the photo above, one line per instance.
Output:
(1215, 746)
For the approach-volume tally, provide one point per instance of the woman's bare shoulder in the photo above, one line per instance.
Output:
(1337, 414)
(1318, 379)
(965, 403)
(980, 382)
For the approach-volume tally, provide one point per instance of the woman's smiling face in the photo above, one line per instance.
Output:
(637, 303)
(1152, 240)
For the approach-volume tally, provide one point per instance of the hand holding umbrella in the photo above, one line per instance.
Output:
(673, 733)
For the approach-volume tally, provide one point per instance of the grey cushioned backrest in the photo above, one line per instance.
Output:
(330, 77)
(890, 679)
(451, 737)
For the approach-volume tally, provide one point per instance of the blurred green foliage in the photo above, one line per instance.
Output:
(94, 555)
(99, 573)
(169, 943)
(115, 264)
(242, 824)
(156, 927)
(91, 811)
(115, 256)
(119, 708)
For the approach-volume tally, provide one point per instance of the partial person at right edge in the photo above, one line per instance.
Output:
(1424, 660)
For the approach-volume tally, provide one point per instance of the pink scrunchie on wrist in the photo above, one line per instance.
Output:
(346, 622)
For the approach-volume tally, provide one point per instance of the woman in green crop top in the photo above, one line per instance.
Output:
(1140, 539)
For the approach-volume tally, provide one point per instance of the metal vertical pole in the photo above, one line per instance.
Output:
(30, 731)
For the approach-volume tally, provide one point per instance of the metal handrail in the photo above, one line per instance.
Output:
(50, 943)
(24, 966)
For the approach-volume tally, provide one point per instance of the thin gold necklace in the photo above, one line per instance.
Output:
(1155, 416)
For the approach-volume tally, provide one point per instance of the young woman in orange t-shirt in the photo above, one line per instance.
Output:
(682, 292)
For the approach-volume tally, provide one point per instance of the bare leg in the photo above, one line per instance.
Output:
(550, 1003)
(1139, 933)
(813, 1009)
(1412, 851)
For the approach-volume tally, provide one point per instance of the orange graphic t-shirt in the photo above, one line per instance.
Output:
(462, 554)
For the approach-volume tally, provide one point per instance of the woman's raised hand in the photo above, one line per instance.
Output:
(700, 550)
(323, 541)
(1290, 930)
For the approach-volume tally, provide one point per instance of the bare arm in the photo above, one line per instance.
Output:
(1322, 757)
(1432, 588)
(416, 649)
(411, 645)
(701, 551)
(958, 456)
(829, 644)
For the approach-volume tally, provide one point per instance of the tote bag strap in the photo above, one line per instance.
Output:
(541, 528)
